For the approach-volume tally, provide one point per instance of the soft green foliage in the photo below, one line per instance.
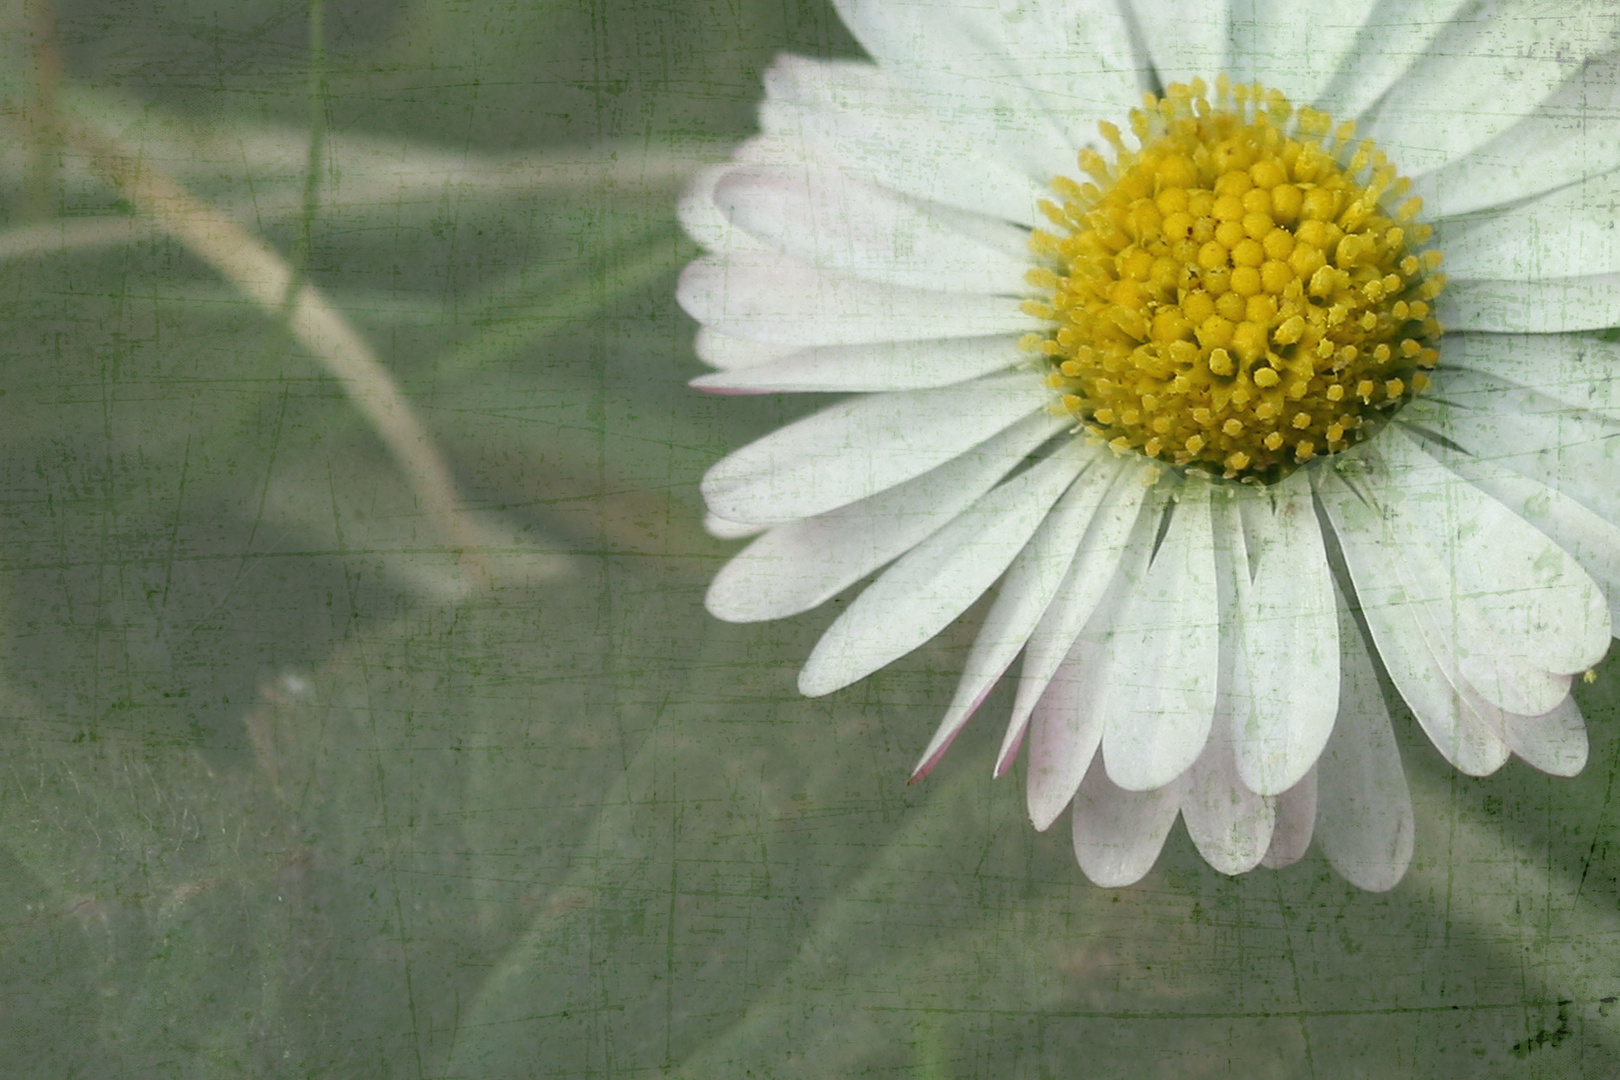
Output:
(286, 792)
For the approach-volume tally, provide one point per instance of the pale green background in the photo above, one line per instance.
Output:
(282, 794)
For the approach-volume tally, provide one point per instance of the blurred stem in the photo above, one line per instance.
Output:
(312, 163)
(264, 277)
(42, 190)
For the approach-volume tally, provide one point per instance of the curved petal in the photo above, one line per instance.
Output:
(1369, 536)
(1385, 50)
(1117, 546)
(1554, 742)
(1364, 809)
(1021, 601)
(719, 351)
(1554, 306)
(855, 113)
(1186, 38)
(1066, 726)
(957, 61)
(875, 367)
(1491, 65)
(1577, 371)
(1296, 48)
(804, 563)
(1573, 135)
(1118, 834)
(1229, 824)
(861, 446)
(1285, 667)
(722, 529)
(829, 219)
(1568, 233)
(1161, 703)
(938, 579)
(778, 299)
(1295, 811)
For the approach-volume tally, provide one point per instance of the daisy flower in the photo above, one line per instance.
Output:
(1138, 315)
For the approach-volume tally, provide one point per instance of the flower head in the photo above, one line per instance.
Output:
(1140, 312)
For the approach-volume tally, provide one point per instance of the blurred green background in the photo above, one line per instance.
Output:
(290, 787)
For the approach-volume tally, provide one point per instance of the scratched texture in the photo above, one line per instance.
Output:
(284, 791)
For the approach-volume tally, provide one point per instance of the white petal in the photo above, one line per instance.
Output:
(1491, 65)
(1066, 727)
(779, 299)
(861, 446)
(829, 219)
(956, 61)
(1161, 702)
(1285, 670)
(704, 222)
(731, 530)
(1295, 811)
(1296, 48)
(1364, 809)
(1115, 548)
(1557, 306)
(1229, 824)
(855, 113)
(1374, 542)
(801, 564)
(881, 365)
(1022, 599)
(1573, 135)
(719, 351)
(1186, 38)
(1579, 371)
(1594, 542)
(1568, 233)
(1386, 49)
(1118, 834)
(1529, 594)
(1554, 743)
(937, 580)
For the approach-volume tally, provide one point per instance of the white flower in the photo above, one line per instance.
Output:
(1238, 301)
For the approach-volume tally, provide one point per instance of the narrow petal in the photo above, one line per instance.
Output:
(1567, 233)
(1118, 834)
(1066, 726)
(957, 62)
(1295, 811)
(730, 530)
(1573, 370)
(1530, 596)
(1296, 48)
(1116, 549)
(1373, 541)
(1554, 742)
(704, 222)
(1285, 636)
(827, 218)
(861, 446)
(1573, 135)
(782, 300)
(1555, 306)
(937, 580)
(1594, 542)
(1187, 39)
(1364, 809)
(878, 366)
(1491, 65)
(856, 114)
(719, 351)
(1021, 601)
(1384, 51)
(1229, 824)
(804, 563)
(1159, 709)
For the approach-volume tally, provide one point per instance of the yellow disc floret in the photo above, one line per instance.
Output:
(1235, 295)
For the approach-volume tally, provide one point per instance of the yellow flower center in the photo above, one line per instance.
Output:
(1234, 296)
